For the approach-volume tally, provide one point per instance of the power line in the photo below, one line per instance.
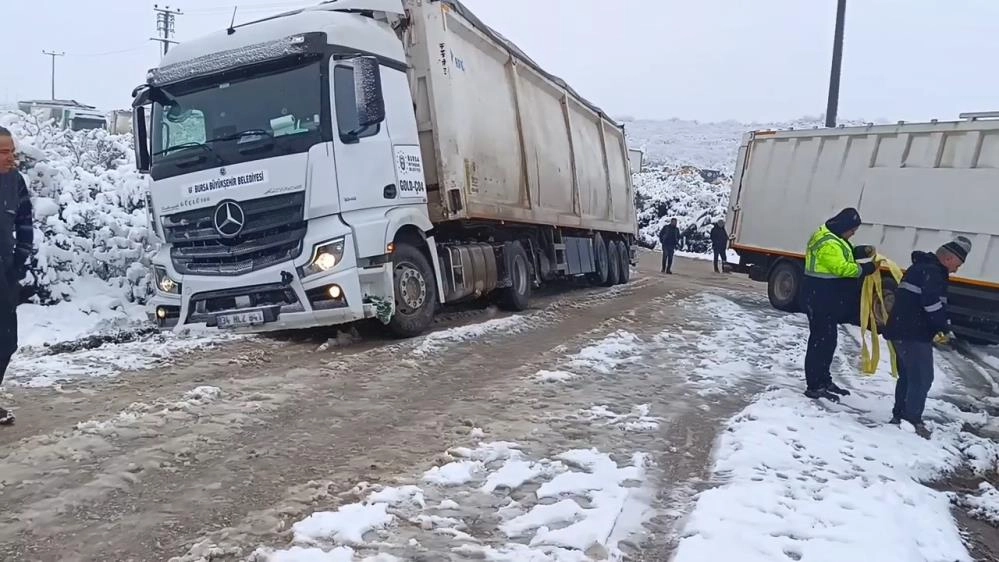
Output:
(165, 25)
(106, 53)
(53, 54)
(250, 7)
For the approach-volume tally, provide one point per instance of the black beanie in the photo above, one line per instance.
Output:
(845, 221)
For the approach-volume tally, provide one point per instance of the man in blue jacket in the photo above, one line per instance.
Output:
(919, 314)
(16, 237)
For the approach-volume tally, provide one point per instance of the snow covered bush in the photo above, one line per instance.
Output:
(89, 202)
(685, 193)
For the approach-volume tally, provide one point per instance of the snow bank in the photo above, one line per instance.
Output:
(697, 200)
(90, 218)
(803, 480)
(804, 483)
(566, 509)
(688, 174)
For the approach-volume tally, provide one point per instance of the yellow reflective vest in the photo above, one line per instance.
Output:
(830, 257)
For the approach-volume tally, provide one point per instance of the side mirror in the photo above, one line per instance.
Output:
(141, 139)
(368, 92)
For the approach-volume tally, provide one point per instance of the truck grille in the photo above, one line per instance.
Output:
(273, 229)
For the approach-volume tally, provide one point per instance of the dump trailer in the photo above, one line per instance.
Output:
(916, 185)
(372, 159)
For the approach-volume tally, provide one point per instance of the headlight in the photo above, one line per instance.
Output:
(325, 256)
(164, 283)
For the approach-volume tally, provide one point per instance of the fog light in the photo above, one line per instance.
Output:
(334, 291)
(161, 312)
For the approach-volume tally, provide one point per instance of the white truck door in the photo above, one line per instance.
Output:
(365, 165)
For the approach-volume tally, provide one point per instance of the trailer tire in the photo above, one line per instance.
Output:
(517, 296)
(613, 264)
(784, 286)
(415, 292)
(600, 261)
(625, 261)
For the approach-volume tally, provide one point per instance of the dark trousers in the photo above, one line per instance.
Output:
(720, 256)
(915, 377)
(668, 258)
(8, 323)
(823, 333)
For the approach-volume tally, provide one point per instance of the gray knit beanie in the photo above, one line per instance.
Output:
(960, 247)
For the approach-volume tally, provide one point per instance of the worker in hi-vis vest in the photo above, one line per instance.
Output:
(833, 278)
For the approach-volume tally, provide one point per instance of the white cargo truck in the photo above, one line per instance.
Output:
(916, 185)
(372, 159)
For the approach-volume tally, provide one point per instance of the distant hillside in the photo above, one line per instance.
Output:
(710, 146)
(688, 172)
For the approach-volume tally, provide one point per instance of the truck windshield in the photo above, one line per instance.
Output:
(239, 120)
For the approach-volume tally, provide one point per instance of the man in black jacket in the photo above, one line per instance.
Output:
(16, 237)
(670, 238)
(719, 243)
(919, 314)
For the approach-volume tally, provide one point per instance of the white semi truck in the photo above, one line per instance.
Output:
(916, 185)
(372, 159)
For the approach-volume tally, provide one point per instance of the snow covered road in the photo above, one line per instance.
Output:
(581, 430)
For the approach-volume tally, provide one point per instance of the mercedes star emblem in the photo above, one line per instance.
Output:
(229, 219)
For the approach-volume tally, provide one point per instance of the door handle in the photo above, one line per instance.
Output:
(390, 192)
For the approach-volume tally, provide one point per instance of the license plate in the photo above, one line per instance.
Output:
(239, 319)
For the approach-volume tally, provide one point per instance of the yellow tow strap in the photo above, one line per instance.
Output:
(872, 293)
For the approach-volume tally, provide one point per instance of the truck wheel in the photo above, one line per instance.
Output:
(625, 255)
(784, 286)
(600, 261)
(613, 264)
(517, 296)
(415, 292)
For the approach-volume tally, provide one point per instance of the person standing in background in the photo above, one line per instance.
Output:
(16, 238)
(669, 236)
(719, 243)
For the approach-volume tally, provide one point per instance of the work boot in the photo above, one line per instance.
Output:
(922, 430)
(816, 393)
(834, 388)
(6, 417)
(895, 420)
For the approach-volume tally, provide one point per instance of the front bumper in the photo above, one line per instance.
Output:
(284, 306)
(275, 298)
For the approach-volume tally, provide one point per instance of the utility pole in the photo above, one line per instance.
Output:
(837, 62)
(53, 54)
(165, 25)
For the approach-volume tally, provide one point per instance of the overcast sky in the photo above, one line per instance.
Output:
(761, 60)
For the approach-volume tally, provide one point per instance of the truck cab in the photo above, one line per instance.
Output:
(284, 160)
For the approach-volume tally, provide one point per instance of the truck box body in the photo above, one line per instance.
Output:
(916, 186)
(502, 139)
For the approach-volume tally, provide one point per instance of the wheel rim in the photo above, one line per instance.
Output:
(411, 288)
(784, 286)
(519, 276)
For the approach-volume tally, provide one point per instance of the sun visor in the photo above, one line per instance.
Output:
(299, 45)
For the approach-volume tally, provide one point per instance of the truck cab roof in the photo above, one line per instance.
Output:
(341, 28)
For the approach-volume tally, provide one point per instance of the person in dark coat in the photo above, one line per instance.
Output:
(719, 243)
(918, 315)
(831, 288)
(16, 237)
(670, 238)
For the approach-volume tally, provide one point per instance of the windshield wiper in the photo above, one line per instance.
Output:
(194, 144)
(241, 134)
